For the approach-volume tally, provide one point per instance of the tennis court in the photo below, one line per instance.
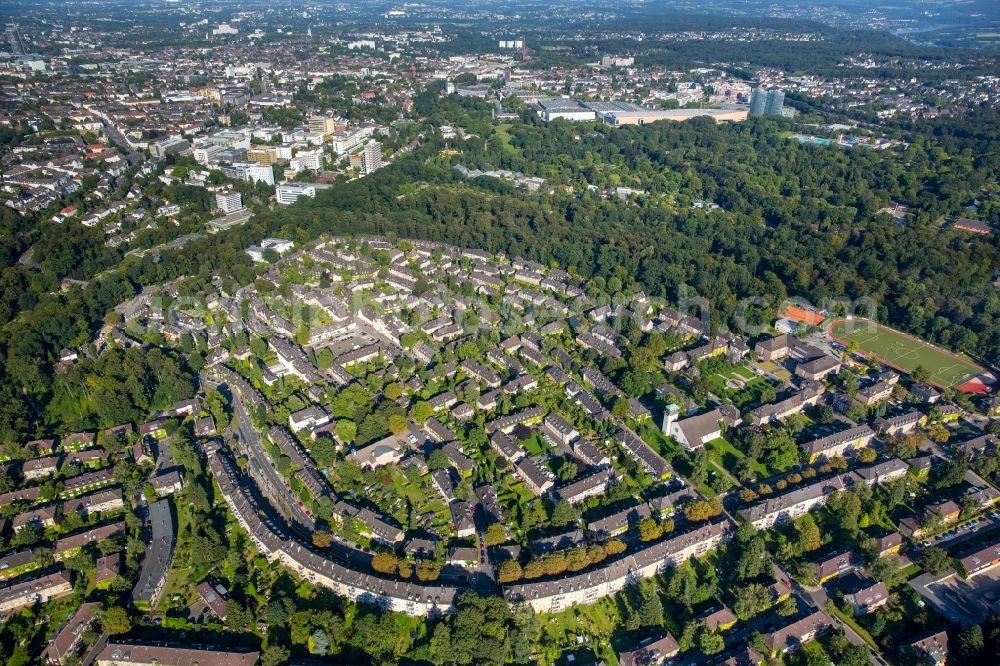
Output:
(904, 352)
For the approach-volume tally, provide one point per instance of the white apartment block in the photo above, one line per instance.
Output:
(289, 193)
(228, 202)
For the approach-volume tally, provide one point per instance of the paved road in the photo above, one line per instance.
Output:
(967, 531)
(118, 137)
(268, 479)
(279, 498)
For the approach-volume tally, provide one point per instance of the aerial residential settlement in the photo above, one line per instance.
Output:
(337, 334)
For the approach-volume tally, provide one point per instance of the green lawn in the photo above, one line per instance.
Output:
(595, 623)
(727, 454)
(905, 353)
(752, 385)
(534, 445)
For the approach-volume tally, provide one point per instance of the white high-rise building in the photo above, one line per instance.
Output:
(371, 157)
(228, 202)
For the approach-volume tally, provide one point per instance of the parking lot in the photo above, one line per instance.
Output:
(956, 536)
(964, 602)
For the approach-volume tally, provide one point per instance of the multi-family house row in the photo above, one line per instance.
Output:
(159, 553)
(839, 444)
(461, 462)
(882, 472)
(481, 373)
(443, 400)
(40, 468)
(70, 635)
(68, 545)
(122, 653)
(77, 485)
(781, 410)
(77, 441)
(549, 596)
(25, 593)
(438, 432)
(650, 460)
(618, 522)
(900, 425)
(668, 504)
(559, 429)
(588, 486)
(793, 504)
(88, 505)
(18, 562)
(376, 528)
(507, 423)
(520, 384)
(590, 453)
(43, 518)
(28, 495)
(598, 344)
(792, 636)
(534, 476)
(503, 444)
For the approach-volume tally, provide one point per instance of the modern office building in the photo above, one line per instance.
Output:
(326, 125)
(173, 144)
(775, 103)
(249, 171)
(309, 159)
(266, 155)
(228, 201)
(289, 193)
(767, 102)
(14, 40)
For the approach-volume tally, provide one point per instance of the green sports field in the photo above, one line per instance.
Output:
(904, 352)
